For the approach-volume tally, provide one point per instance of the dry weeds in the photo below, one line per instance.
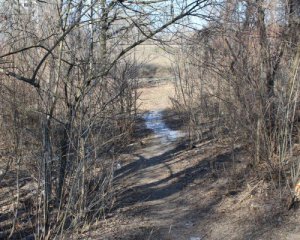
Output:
(169, 191)
(156, 97)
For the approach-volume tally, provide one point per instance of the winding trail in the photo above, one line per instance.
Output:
(155, 202)
(153, 168)
(166, 191)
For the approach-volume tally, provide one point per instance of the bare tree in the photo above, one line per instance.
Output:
(71, 56)
(239, 74)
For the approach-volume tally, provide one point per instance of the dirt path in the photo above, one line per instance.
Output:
(167, 191)
(155, 203)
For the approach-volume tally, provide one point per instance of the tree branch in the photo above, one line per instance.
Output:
(21, 78)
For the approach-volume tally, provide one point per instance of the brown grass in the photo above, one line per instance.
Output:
(156, 97)
(153, 54)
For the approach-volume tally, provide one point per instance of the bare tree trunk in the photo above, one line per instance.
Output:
(269, 67)
(65, 147)
(103, 36)
(47, 156)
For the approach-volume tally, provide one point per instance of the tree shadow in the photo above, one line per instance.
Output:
(144, 163)
(23, 228)
(264, 222)
(170, 185)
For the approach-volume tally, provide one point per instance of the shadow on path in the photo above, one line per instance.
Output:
(170, 185)
(144, 163)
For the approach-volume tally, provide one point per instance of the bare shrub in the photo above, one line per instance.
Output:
(238, 80)
(69, 91)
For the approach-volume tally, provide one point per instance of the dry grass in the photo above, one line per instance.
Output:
(156, 97)
(153, 54)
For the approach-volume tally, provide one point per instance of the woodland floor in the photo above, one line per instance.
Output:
(168, 190)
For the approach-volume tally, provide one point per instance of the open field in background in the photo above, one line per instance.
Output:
(155, 54)
(156, 61)
(157, 65)
(156, 97)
